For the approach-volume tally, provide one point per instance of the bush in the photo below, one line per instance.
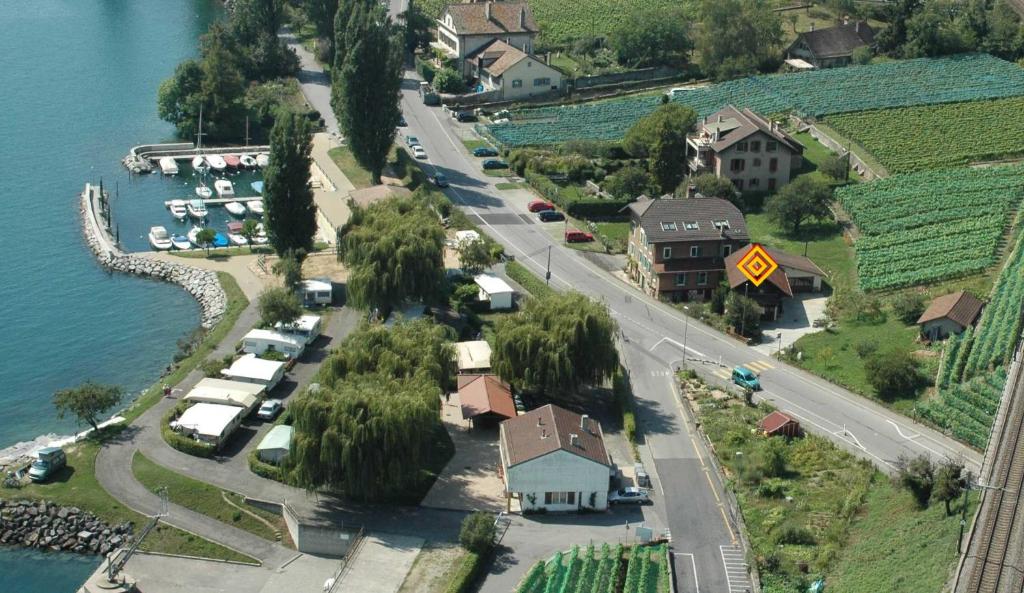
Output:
(796, 535)
(179, 441)
(426, 70)
(866, 348)
(465, 294)
(624, 402)
(477, 532)
(525, 278)
(448, 80)
(908, 307)
(264, 469)
(771, 488)
(466, 573)
(893, 374)
(834, 166)
(918, 476)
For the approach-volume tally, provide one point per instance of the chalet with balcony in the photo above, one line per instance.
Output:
(511, 72)
(464, 28)
(752, 152)
(677, 247)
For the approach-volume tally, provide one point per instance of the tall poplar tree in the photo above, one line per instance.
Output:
(287, 195)
(365, 95)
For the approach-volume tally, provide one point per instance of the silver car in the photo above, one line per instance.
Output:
(631, 495)
(270, 409)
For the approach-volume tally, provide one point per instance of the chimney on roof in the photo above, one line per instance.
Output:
(543, 434)
(691, 191)
(719, 118)
(522, 18)
(574, 440)
(540, 422)
(487, 10)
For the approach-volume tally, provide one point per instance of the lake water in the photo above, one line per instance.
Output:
(79, 81)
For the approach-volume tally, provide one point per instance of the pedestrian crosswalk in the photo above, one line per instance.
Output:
(737, 574)
(758, 366)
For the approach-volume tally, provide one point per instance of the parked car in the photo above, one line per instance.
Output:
(550, 216)
(419, 152)
(50, 461)
(485, 151)
(270, 409)
(495, 164)
(412, 141)
(401, 121)
(575, 236)
(439, 179)
(465, 116)
(630, 495)
(746, 378)
(540, 205)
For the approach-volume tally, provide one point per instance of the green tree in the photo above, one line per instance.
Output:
(87, 402)
(772, 457)
(477, 532)
(802, 199)
(289, 268)
(448, 80)
(918, 476)
(737, 37)
(743, 314)
(255, 24)
(321, 13)
(556, 345)
(897, 13)
(418, 26)
(834, 166)
(366, 87)
(862, 55)
(222, 87)
(205, 238)
(661, 137)
(279, 305)
(250, 228)
(287, 196)
(178, 98)
(908, 307)
(933, 31)
(342, 39)
(477, 256)
(893, 374)
(710, 185)
(651, 38)
(629, 182)
(948, 483)
(394, 252)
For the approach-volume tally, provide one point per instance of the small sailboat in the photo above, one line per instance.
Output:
(257, 186)
(178, 209)
(220, 240)
(168, 166)
(159, 238)
(248, 161)
(263, 159)
(199, 164)
(235, 208)
(197, 209)
(224, 188)
(204, 191)
(255, 206)
(180, 242)
(216, 162)
(232, 161)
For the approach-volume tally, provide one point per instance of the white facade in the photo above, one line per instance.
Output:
(495, 290)
(558, 481)
(527, 78)
(258, 341)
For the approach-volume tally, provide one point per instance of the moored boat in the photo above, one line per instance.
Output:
(180, 242)
(235, 227)
(255, 206)
(224, 188)
(199, 164)
(197, 209)
(204, 191)
(216, 162)
(263, 159)
(257, 186)
(248, 161)
(168, 166)
(178, 209)
(232, 161)
(235, 208)
(193, 236)
(159, 238)
(220, 240)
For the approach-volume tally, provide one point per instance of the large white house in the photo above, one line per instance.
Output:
(464, 28)
(554, 459)
(515, 74)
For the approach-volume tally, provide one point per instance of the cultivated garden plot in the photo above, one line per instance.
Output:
(590, 570)
(925, 81)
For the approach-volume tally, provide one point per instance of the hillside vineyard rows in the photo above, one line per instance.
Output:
(926, 81)
(592, 571)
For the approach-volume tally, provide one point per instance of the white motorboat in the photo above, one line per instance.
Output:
(197, 209)
(178, 209)
(261, 235)
(199, 164)
(248, 161)
(235, 208)
(237, 239)
(255, 206)
(204, 191)
(180, 242)
(224, 188)
(159, 238)
(216, 162)
(168, 166)
(263, 159)
(193, 236)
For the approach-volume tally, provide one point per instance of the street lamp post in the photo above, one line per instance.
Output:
(686, 327)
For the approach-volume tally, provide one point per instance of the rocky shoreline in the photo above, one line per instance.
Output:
(203, 285)
(44, 525)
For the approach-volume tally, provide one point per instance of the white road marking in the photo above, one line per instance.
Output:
(737, 574)
(693, 563)
(677, 345)
(900, 432)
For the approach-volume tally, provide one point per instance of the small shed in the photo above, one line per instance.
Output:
(485, 399)
(949, 314)
(258, 341)
(778, 423)
(473, 357)
(494, 290)
(244, 395)
(210, 423)
(250, 369)
(275, 445)
(317, 291)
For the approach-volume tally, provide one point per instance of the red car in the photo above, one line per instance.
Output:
(578, 237)
(539, 206)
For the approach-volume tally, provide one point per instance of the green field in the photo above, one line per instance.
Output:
(593, 570)
(923, 227)
(936, 136)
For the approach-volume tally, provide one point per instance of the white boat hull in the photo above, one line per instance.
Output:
(181, 243)
(247, 161)
(204, 192)
(224, 188)
(262, 160)
(178, 209)
(168, 166)
(199, 164)
(160, 245)
(237, 239)
(235, 208)
(216, 162)
(255, 206)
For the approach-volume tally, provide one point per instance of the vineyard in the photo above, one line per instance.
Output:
(935, 136)
(967, 410)
(924, 227)
(598, 571)
(925, 81)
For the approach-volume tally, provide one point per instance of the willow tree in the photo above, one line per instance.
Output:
(556, 345)
(287, 196)
(394, 251)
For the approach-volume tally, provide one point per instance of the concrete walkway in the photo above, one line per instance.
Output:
(380, 564)
(332, 202)
(239, 266)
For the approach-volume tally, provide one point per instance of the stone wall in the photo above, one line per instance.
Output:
(203, 285)
(47, 526)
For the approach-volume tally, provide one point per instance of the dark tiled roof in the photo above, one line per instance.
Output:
(838, 41)
(653, 212)
(961, 307)
(778, 277)
(506, 17)
(742, 124)
(483, 394)
(547, 429)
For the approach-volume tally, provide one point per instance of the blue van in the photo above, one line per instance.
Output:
(746, 378)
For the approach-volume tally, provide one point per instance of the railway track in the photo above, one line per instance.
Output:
(994, 561)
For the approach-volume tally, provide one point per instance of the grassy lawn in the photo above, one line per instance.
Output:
(814, 153)
(223, 253)
(617, 234)
(359, 176)
(434, 568)
(825, 245)
(77, 486)
(510, 185)
(198, 496)
(565, 63)
(857, 149)
(472, 144)
(498, 172)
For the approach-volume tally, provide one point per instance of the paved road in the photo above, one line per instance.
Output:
(316, 85)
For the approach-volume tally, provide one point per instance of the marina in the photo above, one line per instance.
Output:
(147, 158)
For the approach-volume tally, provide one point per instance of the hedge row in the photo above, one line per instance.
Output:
(179, 441)
(464, 576)
(525, 278)
(264, 469)
(577, 208)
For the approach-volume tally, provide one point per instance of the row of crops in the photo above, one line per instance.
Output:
(968, 409)
(925, 81)
(599, 571)
(937, 136)
(929, 226)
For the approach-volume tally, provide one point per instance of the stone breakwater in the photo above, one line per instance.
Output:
(203, 285)
(47, 526)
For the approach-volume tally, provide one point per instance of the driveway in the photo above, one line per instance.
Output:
(380, 564)
(797, 321)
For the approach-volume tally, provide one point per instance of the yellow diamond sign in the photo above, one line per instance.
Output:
(757, 265)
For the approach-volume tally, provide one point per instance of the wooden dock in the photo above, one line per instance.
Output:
(217, 201)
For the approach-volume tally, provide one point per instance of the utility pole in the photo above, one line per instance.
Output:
(547, 274)
(686, 327)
